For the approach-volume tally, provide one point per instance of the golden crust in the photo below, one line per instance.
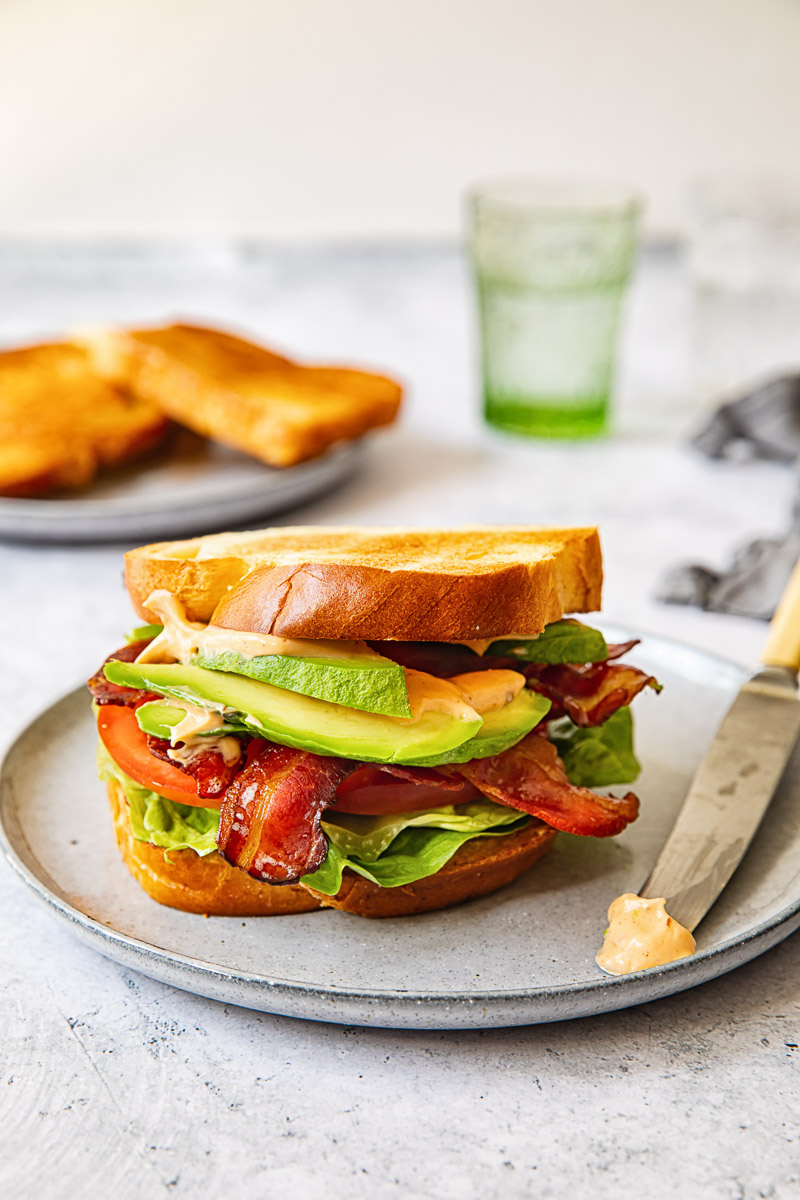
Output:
(479, 867)
(377, 584)
(60, 425)
(243, 395)
(199, 884)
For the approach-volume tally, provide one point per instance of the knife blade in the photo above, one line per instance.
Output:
(732, 789)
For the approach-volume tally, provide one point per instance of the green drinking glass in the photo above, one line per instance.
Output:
(552, 261)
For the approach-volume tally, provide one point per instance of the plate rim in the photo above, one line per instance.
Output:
(636, 988)
(66, 519)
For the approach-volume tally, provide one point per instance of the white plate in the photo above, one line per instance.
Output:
(193, 486)
(523, 955)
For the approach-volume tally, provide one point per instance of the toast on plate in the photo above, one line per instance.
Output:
(242, 394)
(60, 424)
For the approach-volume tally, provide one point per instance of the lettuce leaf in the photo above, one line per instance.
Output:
(368, 837)
(394, 851)
(565, 641)
(158, 820)
(598, 756)
(141, 632)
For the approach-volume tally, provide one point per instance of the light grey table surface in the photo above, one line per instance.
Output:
(115, 1085)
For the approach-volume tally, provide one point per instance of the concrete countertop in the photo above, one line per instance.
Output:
(114, 1084)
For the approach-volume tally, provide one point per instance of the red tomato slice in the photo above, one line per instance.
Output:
(127, 744)
(373, 793)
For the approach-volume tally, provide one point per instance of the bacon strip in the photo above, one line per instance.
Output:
(442, 659)
(590, 694)
(105, 692)
(617, 649)
(531, 777)
(270, 815)
(425, 775)
(213, 772)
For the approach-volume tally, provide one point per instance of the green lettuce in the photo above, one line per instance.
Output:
(158, 820)
(598, 756)
(142, 632)
(566, 641)
(397, 850)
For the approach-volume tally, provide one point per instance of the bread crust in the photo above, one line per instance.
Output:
(242, 394)
(200, 884)
(377, 584)
(479, 867)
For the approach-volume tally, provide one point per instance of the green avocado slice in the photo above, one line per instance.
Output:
(500, 730)
(366, 682)
(302, 721)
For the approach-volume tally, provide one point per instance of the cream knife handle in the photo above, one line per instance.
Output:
(783, 640)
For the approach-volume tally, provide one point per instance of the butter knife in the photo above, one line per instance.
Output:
(734, 784)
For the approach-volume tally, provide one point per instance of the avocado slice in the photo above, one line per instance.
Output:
(302, 721)
(500, 730)
(366, 682)
(158, 719)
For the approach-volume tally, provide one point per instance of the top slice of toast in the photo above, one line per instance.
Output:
(241, 394)
(377, 584)
(60, 424)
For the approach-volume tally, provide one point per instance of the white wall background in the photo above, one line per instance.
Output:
(340, 118)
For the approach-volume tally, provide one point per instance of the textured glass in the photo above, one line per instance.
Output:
(552, 262)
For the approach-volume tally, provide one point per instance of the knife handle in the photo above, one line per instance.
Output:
(783, 640)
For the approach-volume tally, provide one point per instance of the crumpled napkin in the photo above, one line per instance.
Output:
(763, 423)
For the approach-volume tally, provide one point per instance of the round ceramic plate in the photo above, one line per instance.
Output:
(191, 487)
(523, 955)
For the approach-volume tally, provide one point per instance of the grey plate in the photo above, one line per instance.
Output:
(523, 955)
(194, 486)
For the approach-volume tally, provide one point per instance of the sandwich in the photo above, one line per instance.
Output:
(60, 424)
(384, 721)
(242, 394)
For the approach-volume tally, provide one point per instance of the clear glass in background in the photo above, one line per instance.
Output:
(552, 261)
(744, 259)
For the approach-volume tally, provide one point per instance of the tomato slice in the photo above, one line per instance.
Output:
(373, 793)
(368, 791)
(127, 744)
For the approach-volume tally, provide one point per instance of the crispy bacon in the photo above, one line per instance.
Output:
(442, 659)
(214, 774)
(425, 775)
(531, 777)
(105, 692)
(590, 694)
(445, 659)
(617, 649)
(269, 820)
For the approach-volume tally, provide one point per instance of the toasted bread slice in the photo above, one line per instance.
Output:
(60, 425)
(244, 395)
(479, 867)
(209, 885)
(376, 584)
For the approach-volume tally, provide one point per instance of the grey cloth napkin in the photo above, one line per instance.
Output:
(763, 423)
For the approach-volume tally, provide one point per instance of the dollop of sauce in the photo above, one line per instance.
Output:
(641, 934)
(181, 639)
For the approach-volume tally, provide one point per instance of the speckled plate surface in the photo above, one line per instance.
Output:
(193, 486)
(523, 955)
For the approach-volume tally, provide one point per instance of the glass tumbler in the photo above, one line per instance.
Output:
(552, 262)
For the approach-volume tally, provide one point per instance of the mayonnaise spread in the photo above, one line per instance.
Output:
(181, 639)
(463, 696)
(229, 747)
(641, 934)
